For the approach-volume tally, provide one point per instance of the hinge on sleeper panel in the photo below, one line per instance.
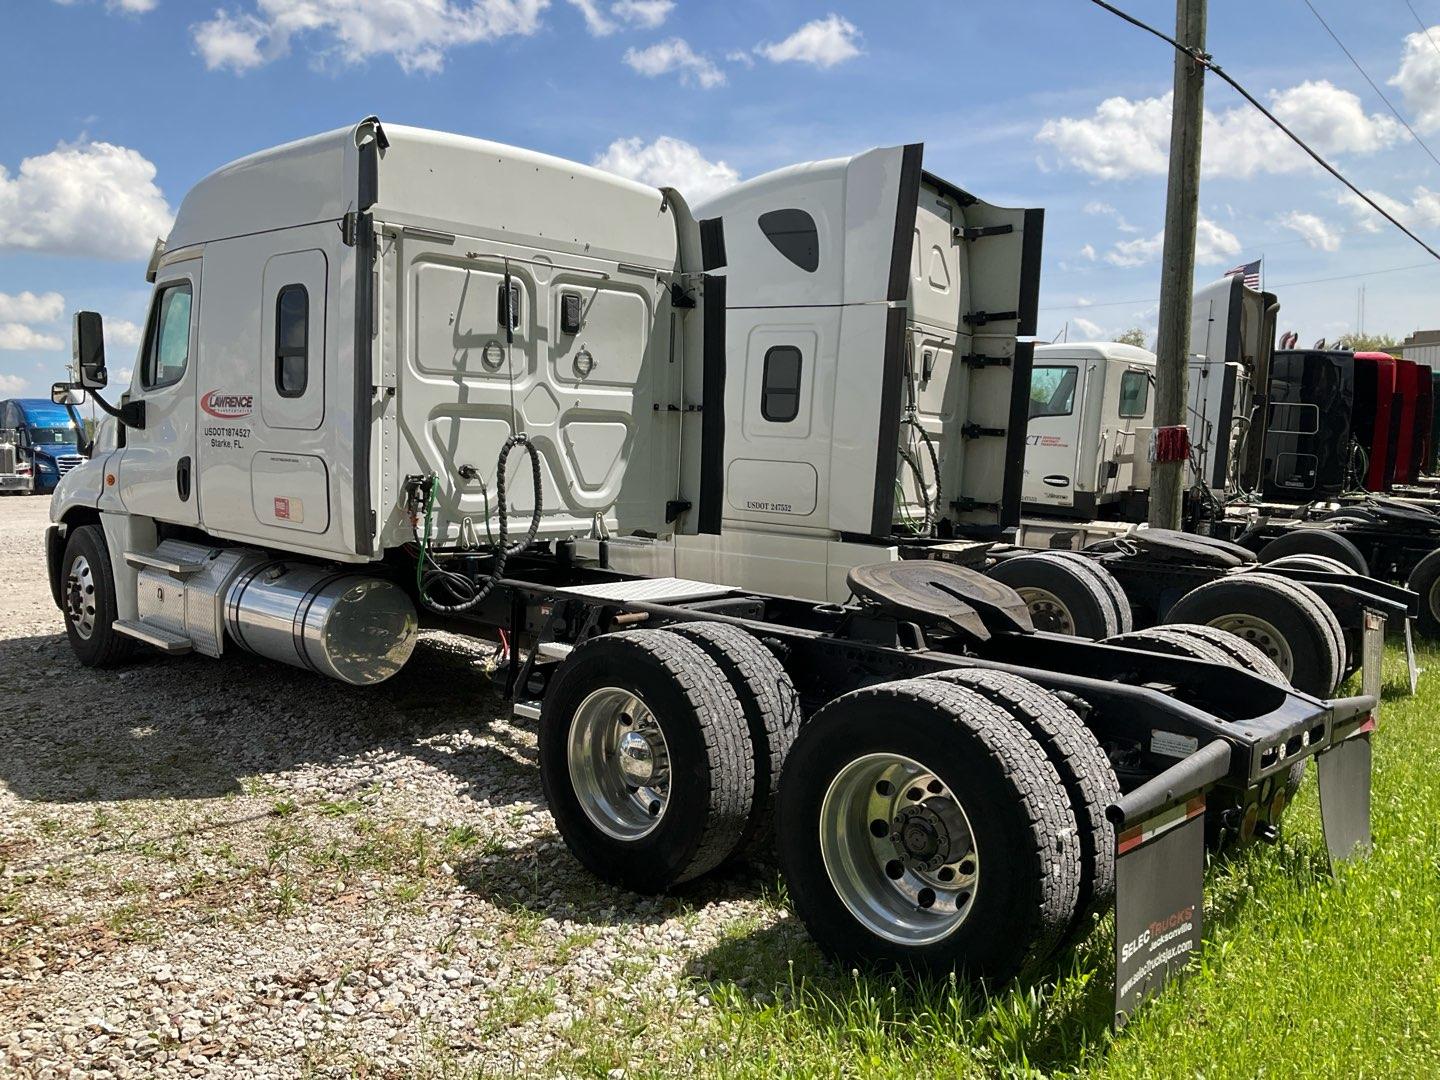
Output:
(975, 431)
(976, 360)
(966, 505)
(975, 232)
(675, 507)
(679, 298)
(980, 318)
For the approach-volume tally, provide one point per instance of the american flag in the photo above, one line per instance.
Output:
(1249, 271)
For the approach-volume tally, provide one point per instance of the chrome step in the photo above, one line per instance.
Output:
(526, 710)
(167, 641)
(167, 563)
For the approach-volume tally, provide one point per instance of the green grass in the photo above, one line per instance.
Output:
(1300, 975)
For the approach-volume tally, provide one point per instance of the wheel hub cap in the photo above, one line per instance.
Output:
(619, 763)
(80, 597)
(1262, 635)
(1047, 611)
(899, 849)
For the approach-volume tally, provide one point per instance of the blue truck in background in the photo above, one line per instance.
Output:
(48, 440)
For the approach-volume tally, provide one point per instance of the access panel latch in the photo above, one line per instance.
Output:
(1160, 875)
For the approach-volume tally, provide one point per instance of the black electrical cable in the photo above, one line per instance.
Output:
(1204, 60)
(1351, 57)
(467, 591)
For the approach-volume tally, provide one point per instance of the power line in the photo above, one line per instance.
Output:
(1371, 81)
(1421, 23)
(1272, 285)
(1205, 60)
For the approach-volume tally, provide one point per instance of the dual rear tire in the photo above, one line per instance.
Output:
(660, 751)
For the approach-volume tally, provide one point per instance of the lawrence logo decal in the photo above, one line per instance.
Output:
(227, 406)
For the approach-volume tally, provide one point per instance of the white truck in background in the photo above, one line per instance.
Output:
(353, 336)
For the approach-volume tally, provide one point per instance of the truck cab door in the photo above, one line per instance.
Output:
(157, 466)
(1052, 465)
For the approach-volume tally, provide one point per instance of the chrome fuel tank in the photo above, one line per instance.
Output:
(352, 627)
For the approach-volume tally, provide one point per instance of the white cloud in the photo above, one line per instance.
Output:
(1088, 330)
(417, 33)
(1318, 233)
(595, 20)
(128, 7)
(1421, 211)
(13, 385)
(1419, 78)
(822, 42)
(675, 54)
(668, 162)
(1088, 251)
(647, 14)
(122, 332)
(1124, 138)
(29, 307)
(1213, 244)
(90, 198)
(1104, 209)
(17, 336)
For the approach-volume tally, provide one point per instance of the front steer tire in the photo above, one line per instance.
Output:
(710, 779)
(87, 599)
(1027, 855)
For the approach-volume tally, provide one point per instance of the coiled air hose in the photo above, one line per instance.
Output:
(469, 591)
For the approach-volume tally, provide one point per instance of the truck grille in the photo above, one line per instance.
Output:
(65, 462)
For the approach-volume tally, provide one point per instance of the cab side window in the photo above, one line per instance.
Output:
(292, 341)
(167, 341)
(780, 390)
(1134, 394)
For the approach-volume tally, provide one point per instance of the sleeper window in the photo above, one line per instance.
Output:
(780, 394)
(292, 341)
(794, 235)
(167, 346)
(1134, 394)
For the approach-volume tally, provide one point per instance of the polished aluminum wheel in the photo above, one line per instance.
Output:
(80, 596)
(619, 763)
(1262, 635)
(899, 849)
(1047, 611)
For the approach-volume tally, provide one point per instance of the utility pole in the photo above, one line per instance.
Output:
(1170, 449)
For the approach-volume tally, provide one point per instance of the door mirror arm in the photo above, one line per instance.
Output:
(129, 413)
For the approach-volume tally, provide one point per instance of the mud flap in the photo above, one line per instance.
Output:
(1159, 876)
(1344, 779)
(1372, 652)
(1410, 666)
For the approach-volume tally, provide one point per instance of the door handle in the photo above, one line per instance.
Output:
(182, 479)
(1056, 480)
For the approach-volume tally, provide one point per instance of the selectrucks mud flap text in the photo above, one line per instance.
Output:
(1160, 848)
(1160, 875)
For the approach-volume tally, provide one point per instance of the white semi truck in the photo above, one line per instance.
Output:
(352, 336)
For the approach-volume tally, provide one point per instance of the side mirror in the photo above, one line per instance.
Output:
(88, 339)
(62, 393)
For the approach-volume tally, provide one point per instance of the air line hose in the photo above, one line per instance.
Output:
(470, 591)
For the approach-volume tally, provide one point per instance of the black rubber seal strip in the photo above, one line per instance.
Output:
(712, 412)
(1015, 432)
(892, 374)
(1028, 307)
(712, 244)
(907, 202)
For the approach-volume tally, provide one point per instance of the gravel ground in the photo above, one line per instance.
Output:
(220, 868)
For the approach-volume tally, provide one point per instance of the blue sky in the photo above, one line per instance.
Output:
(115, 107)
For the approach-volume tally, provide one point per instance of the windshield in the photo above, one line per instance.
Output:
(53, 436)
(1052, 390)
